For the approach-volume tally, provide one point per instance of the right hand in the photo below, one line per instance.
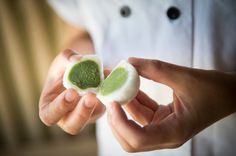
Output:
(65, 107)
(200, 98)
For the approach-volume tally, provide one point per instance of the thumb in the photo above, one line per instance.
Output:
(70, 55)
(162, 72)
(60, 62)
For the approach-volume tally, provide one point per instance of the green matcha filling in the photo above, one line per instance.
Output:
(114, 81)
(85, 74)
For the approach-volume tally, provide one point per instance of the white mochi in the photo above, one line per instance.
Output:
(68, 84)
(127, 91)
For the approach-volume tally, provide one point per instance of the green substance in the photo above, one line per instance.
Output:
(85, 74)
(114, 81)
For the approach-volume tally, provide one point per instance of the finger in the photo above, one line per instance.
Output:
(125, 145)
(139, 112)
(69, 55)
(51, 113)
(161, 113)
(170, 132)
(74, 57)
(145, 100)
(50, 93)
(53, 86)
(98, 112)
(59, 64)
(159, 71)
(74, 122)
(127, 129)
(142, 108)
(107, 72)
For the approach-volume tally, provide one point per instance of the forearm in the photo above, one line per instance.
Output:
(79, 40)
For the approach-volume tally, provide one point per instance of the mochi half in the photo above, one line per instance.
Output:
(121, 85)
(85, 75)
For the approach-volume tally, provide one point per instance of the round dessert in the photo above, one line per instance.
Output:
(121, 85)
(85, 75)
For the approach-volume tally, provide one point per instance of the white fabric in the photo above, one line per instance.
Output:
(203, 36)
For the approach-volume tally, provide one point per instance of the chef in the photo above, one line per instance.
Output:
(191, 33)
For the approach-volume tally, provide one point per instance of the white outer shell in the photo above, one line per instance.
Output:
(66, 82)
(128, 91)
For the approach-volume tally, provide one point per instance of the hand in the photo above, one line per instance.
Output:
(65, 107)
(200, 98)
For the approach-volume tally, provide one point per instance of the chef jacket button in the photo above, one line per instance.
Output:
(125, 11)
(173, 13)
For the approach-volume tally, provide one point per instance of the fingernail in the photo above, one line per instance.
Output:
(70, 96)
(88, 104)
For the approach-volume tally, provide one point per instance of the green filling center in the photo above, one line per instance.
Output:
(85, 74)
(114, 81)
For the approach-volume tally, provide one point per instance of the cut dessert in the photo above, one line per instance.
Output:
(85, 75)
(121, 85)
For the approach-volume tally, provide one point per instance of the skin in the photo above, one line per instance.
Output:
(200, 98)
(64, 107)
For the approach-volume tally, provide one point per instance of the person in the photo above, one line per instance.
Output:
(187, 35)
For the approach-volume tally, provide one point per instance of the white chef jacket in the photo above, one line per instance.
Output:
(201, 34)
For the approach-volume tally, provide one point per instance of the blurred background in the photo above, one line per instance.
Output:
(31, 35)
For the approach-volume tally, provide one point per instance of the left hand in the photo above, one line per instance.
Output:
(65, 107)
(200, 98)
